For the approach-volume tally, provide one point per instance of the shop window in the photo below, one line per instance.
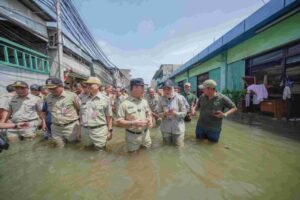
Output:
(2, 56)
(28, 60)
(11, 56)
(40, 66)
(294, 50)
(20, 58)
(271, 76)
(273, 56)
(293, 73)
(180, 84)
(293, 59)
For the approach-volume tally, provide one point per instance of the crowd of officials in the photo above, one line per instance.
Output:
(88, 111)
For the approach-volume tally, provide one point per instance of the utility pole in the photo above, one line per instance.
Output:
(60, 42)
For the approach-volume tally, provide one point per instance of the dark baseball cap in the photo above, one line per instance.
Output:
(53, 82)
(20, 84)
(137, 81)
(34, 87)
(168, 83)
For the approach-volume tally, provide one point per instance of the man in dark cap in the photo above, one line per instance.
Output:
(35, 90)
(64, 108)
(23, 107)
(172, 109)
(135, 115)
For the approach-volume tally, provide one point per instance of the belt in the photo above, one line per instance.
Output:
(30, 120)
(62, 125)
(136, 133)
(94, 127)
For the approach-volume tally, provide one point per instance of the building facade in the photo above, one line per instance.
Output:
(265, 46)
(23, 43)
(162, 74)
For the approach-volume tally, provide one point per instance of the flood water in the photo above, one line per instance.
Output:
(247, 163)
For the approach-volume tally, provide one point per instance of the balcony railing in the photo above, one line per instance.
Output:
(16, 55)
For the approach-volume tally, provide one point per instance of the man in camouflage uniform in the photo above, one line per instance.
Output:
(191, 99)
(172, 109)
(64, 108)
(96, 117)
(23, 107)
(118, 100)
(135, 115)
(152, 100)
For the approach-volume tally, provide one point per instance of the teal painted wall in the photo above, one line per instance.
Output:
(193, 82)
(181, 77)
(277, 35)
(215, 74)
(234, 73)
(213, 63)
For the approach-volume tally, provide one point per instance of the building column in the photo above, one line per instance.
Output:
(223, 71)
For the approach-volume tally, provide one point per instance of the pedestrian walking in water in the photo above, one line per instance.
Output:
(172, 109)
(212, 105)
(96, 117)
(64, 108)
(191, 99)
(135, 115)
(152, 99)
(23, 107)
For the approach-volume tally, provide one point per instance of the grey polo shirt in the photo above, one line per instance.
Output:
(218, 103)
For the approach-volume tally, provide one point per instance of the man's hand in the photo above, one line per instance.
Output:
(218, 114)
(109, 135)
(171, 113)
(140, 123)
(23, 125)
(44, 127)
(193, 112)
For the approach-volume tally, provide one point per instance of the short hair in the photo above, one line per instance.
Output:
(77, 85)
(10, 88)
(108, 86)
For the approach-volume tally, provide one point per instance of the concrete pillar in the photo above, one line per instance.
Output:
(223, 71)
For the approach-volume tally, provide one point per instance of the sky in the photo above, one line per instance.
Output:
(143, 34)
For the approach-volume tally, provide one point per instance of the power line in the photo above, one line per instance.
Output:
(74, 24)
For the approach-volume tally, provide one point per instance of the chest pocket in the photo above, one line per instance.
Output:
(29, 106)
(217, 105)
(131, 110)
(131, 113)
(68, 105)
(100, 107)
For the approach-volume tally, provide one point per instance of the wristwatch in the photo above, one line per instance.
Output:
(16, 126)
(110, 130)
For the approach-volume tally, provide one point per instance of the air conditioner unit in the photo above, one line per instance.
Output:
(53, 41)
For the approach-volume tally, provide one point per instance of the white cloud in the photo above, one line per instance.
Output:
(146, 27)
(179, 46)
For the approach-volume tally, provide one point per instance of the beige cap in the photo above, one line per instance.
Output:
(187, 84)
(208, 84)
(93, 80)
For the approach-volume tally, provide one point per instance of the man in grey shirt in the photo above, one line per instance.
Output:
(171, 108)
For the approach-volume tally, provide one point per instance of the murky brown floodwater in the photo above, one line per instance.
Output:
(247, 163)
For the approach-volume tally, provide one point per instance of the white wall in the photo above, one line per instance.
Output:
(9, 75)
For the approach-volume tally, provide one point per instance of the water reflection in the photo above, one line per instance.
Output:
(247, 163)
